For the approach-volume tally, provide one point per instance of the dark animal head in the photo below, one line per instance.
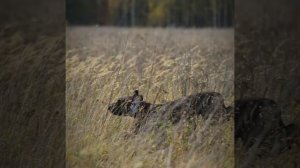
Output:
(121, 106)
(128, 106)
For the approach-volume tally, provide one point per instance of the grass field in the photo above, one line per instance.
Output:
(164, 64)
(106, 63)
(32, 88)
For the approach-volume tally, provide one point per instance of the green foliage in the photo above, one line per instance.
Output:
(81, 11)
(186, 13)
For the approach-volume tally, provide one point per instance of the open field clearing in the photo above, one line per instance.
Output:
(163, 64)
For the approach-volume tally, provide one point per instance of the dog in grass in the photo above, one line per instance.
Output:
(208, 105)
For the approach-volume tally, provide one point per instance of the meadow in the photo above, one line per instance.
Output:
(32, 84)
(104, 63)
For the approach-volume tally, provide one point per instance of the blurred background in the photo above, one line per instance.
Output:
(162, 13)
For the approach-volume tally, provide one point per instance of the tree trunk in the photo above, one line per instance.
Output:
(132, 12)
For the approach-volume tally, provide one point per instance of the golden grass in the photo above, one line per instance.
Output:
(32, 87)
(164, 64)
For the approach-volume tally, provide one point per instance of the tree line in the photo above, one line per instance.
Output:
(178, 13)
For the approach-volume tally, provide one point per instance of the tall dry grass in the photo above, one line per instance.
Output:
(164, 64)
(32, 86)
(267, 66)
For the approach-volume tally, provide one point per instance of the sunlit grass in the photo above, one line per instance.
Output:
(164, 64)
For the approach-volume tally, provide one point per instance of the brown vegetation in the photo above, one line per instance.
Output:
(104, 64)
